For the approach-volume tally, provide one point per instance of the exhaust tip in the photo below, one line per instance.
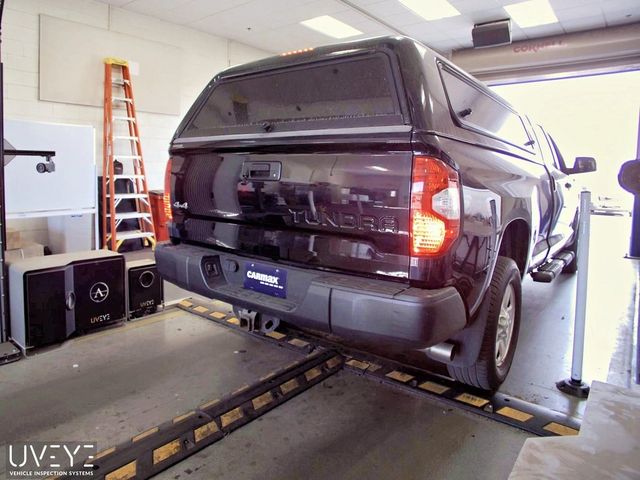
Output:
(442, 352)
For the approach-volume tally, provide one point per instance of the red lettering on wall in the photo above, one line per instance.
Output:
(535, 47)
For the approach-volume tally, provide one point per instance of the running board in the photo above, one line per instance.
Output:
(549, 271)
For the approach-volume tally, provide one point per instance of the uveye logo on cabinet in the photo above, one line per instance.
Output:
(99, 292)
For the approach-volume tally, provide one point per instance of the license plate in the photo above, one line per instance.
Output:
(265, 279)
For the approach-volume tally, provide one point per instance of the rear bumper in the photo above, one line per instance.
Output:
(376, 312)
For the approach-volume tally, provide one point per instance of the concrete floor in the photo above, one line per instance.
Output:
(352, 428)
(110, 385)
(544, 350)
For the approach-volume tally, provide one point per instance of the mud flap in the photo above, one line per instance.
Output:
(469, 340)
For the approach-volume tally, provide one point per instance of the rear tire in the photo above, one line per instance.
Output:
(500, 337)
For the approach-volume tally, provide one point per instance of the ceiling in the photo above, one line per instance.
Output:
(274, 25)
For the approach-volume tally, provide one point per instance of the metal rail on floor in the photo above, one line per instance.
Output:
(506, 409)
(160, 447)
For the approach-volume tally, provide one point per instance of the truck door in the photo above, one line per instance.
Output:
(564, 192)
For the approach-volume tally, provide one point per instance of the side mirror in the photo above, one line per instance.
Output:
(583, 165)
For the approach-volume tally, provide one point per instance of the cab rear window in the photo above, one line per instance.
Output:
(357, 91)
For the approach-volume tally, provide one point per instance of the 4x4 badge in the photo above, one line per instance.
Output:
(184, 205)
(99, 292)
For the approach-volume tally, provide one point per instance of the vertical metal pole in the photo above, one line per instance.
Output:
(3, 229)
(634, 244)
(581, 286)
(574, 385)
(638, 138)
(8, 351)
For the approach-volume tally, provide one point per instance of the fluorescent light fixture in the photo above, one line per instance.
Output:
(431, 9)
(531, 13)
(331, 26)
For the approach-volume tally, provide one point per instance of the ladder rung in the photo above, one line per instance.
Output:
(124, 119)
(121, 99)
(130, 215)
(127, 196)
(133, 234)
(128, 177)
(120, 82)
(125, 137)
(127, 157)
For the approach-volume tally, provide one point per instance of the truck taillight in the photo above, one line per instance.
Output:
(167, 192)
(435, 206)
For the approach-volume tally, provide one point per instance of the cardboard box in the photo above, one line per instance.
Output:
(13, 239)
(28, 250)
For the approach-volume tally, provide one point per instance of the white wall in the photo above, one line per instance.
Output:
(203, 56)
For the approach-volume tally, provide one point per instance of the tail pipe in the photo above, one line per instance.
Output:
(442, 352)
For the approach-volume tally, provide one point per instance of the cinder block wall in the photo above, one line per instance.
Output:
(203, 56)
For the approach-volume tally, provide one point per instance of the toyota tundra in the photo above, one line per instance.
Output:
(374, 193)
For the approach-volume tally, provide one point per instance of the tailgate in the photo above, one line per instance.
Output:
(340, 211)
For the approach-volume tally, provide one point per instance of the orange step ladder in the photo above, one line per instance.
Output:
(121, 143)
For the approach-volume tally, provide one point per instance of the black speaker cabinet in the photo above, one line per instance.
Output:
(54, 296)
(145, 286)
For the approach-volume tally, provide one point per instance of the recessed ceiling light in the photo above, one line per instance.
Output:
(331, 26)
(432, 9)
(531, 13)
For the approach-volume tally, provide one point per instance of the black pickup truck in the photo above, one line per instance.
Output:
(375, 193)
